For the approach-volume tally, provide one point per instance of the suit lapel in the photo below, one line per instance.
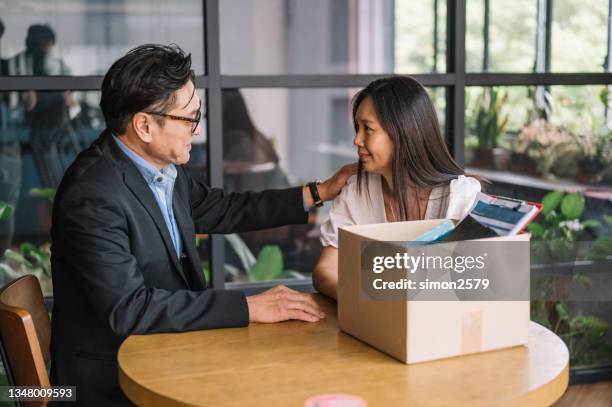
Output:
(187, 231)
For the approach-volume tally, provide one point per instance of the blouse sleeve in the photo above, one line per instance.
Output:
(463, 191)
(339, 215)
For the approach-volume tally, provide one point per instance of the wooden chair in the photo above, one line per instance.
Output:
(25, 328)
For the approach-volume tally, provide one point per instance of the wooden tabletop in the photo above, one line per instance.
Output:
(284, 364)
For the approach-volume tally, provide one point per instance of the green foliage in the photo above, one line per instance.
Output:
(490, 123)
(536, 229)
(572, 205)
(586, 340)
(600, 249)
(555, 238)
(551, 201)
(559, 228)
(6, 210)
(48, 193)
(269, 264)
(584, 281)
(29, 259)
(584, 335)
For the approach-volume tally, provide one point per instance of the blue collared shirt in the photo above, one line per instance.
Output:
(161, 183)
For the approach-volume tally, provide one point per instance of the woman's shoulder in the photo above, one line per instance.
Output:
(351, 188)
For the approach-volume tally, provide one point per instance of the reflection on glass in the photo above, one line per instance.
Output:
(80, 37)
(275, 138)
(511, 36)
(42, 132)
(332, 36)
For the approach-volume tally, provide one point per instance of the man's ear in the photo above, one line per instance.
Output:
(142, 125)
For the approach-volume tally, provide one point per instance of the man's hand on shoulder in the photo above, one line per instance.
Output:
(330, 188)
(281, 304)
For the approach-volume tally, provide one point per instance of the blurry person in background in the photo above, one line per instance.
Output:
(48, 114)
(37, 59)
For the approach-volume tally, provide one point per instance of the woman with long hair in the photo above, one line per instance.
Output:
(405, 169)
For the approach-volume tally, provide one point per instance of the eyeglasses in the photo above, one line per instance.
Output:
(194, 122)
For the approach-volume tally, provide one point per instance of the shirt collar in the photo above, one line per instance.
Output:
(148, 170)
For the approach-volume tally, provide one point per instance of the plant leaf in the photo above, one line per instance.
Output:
(18, 257)
(561, 311)
(536, 229)
(551, 201)
(591, 223)
(593, 328)
(600, 249)
(269, 264)
(48, 193)
(7, 273)
(583, 280)
(572, 205)
(608, 220)
(6, 210)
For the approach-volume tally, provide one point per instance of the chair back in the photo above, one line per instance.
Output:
(25, 328)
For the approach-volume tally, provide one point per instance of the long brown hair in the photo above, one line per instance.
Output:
(421, 157)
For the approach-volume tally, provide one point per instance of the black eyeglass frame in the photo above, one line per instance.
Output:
(194, 122)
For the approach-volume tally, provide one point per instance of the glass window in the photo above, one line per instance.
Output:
(276, 138)
(332, 36)
(553, 145)
(511, 36)
(560, 134)
(42, 132)
(79, 37)
(579, 36)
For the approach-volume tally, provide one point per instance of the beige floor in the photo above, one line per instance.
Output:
(587, 395)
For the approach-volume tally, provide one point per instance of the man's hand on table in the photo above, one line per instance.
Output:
(281, 304)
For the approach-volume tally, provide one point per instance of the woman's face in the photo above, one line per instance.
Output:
(374, 145)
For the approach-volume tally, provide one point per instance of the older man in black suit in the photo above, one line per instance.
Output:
(123, 250)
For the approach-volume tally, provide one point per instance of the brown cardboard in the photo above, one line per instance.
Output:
(418, 331)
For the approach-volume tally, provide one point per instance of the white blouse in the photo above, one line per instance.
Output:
(351, 208)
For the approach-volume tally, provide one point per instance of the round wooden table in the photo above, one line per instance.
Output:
(284, 364)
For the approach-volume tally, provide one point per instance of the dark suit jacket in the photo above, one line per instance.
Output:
(115, 269)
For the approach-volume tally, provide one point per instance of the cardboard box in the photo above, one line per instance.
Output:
(418, 331)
